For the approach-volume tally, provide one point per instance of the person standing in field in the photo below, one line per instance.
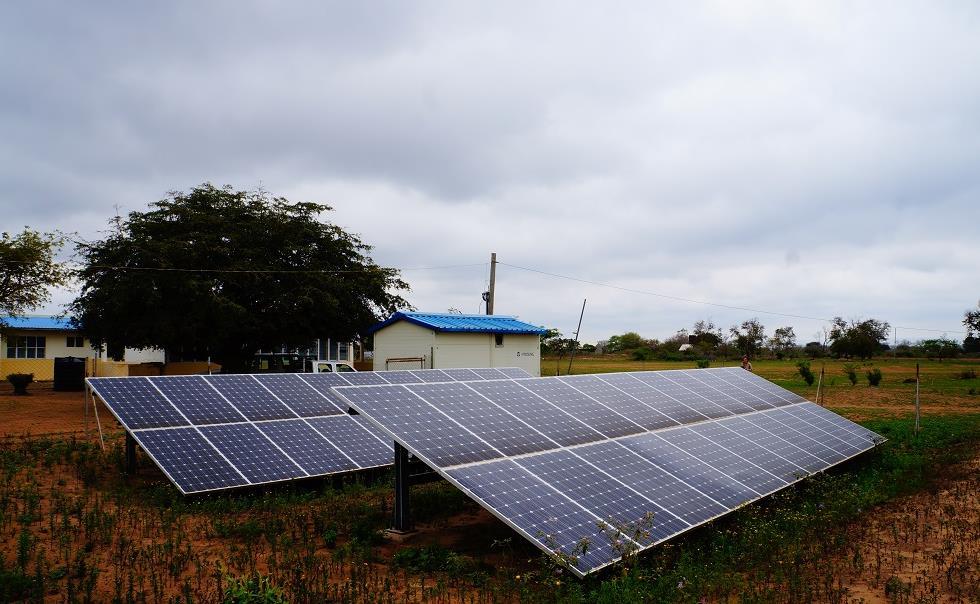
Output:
(746, 364)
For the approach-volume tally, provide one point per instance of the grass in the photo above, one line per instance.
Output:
(73, 528)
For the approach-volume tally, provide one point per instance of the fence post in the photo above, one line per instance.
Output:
(917, 407)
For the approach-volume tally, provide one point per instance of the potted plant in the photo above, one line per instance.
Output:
(20, 381)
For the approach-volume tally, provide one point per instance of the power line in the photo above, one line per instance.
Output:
(252, 271)
(704, 302)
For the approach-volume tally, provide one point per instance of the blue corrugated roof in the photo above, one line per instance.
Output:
(463, 323)
(35, 322)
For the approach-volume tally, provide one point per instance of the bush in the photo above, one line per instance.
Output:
(256, 589)
(874, 376)
(20, 381)
(804, 367)
(851, 372)
(703, 363)
(969, 374)
(644, 354)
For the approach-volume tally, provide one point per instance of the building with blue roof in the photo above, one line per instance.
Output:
(408, 340)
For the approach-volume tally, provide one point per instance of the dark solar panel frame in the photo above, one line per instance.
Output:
(793, 419)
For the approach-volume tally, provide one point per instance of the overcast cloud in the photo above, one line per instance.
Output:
(815, 159)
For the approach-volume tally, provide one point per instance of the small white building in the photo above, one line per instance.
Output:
(416, 340)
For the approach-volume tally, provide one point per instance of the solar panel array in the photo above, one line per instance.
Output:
(209, 432)
(555, 458)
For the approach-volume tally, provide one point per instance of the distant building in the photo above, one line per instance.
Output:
(31, 344)
(440, 341)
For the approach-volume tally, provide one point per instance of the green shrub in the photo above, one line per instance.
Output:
(644, 354)
(850, 371)
(874, 376)
(256, 589)
(20, 381)
(703, 363)
(969, 374)
(808, 377)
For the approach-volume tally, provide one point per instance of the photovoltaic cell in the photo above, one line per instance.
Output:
(586, 409)
(650, 396)
(778, 443)
(713, 379)
(419, 425)
(544, 515)
(489, 422)
(251, 452)
(725, 400)
(798, 419)
(620, 402)
(307, 447)
(654, 482)
(199, 402)
(348, 435)
(136, 403)
(749, 450)
(432, 375)
(300, 396)
(189, 460)
(251, 399)
(401, 376)
(762, 388)
(462, 375)
(681, 394)
(607, 498)
(548, 419)
(323, 383)
(488, 373)
(514, 373)
(801, 439)
(365, 378)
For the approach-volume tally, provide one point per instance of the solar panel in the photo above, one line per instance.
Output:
(556, 458)
(223, 431)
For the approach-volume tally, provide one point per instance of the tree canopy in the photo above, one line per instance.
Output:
(224, 273)
(749, 336)
(28, 270)
(971, 320)
(858, 338)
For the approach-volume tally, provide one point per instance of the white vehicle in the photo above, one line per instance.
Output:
(332, 367)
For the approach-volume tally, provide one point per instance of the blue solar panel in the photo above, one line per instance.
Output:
(489, 373)
(514, 373)
(431, 375)
(420, 426)
(778, 443)
(664, 382)
(725, 400)
(852, 433)
(606, 497)
(587, 410)
(540, 512)
(620, 402)
(199, 402)
(252, 453)
(350, 436)
(298, 395)
(254, 401)
(462, 375)
(643, 392)
(307, 447)
(654, 482)
(759, 387)
(719, 434)
(365, 378)
(706, 479)
(786, 432)
(713, 379)
(189, 461)
(800, 420)
(489, 422)
(401, 376)
(136, 403)
(324, 383)
(548, 419)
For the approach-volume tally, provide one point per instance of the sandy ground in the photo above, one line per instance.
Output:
(46, 412)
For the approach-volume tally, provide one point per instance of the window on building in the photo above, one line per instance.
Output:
(76, 342)
(25, 347)
(498, 339)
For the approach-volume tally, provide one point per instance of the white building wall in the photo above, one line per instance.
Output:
(400, 340)
(446, 350)
(55, 343)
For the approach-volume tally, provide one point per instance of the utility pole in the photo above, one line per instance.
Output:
(493, 279)
(577, 330)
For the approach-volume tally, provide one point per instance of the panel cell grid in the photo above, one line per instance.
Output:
(419, 425)
(136, 402)
(751, 451)
(462, 375)
(198, 401)
(675, 390)
(351, 437)
(587, 410)
(620, 402)
(252, 453)
(798, 437)
(365, 378)
(650, 396)
(489, 422)
(724, 399)
(545, 417)
(744, 395)
(432, 375)
(306, 447)
(778, 443)
(324, 383)
(254, 401)
(301, 397)
(189, 460)
(401, 376)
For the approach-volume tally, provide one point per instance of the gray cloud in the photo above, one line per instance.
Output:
(814, 159)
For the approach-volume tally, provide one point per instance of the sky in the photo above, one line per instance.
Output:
(806, 158)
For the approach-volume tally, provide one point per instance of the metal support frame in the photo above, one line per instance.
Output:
(403, 519)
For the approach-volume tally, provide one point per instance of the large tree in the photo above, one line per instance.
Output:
(749, 336)
(28, 269)
(224, 273)
(859, 338)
